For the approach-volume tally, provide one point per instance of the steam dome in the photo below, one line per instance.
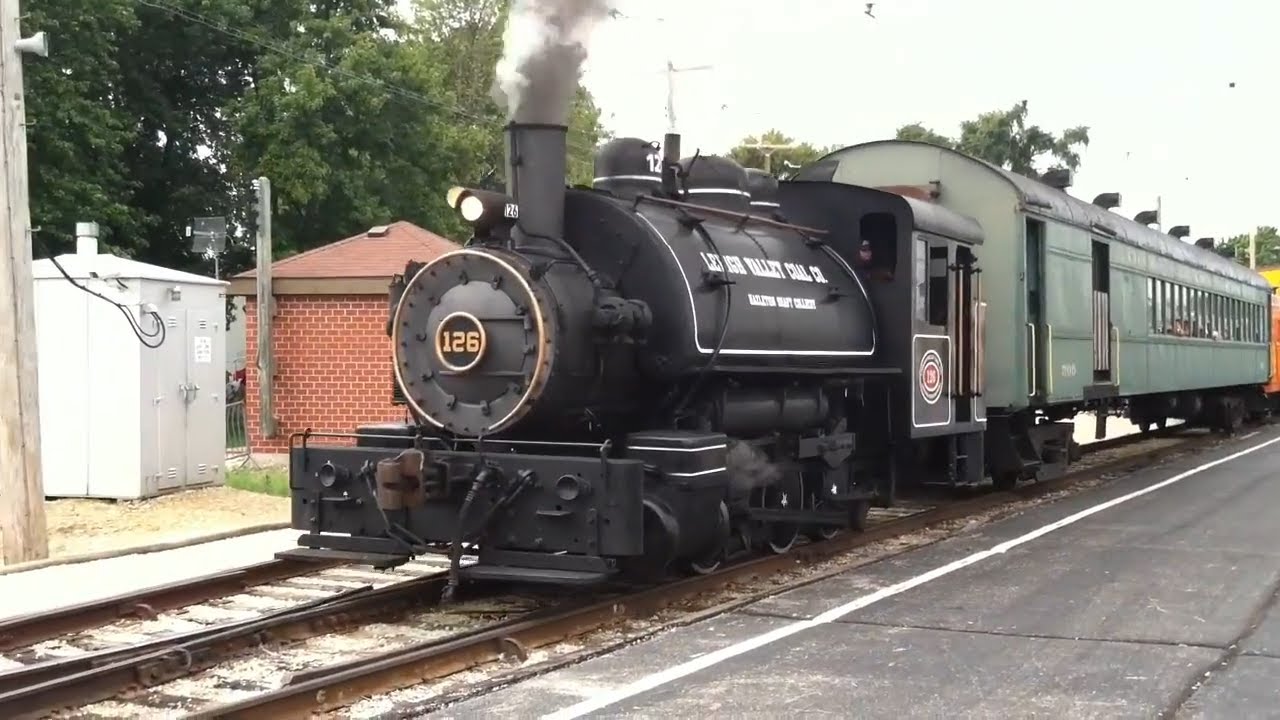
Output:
(627, 167)
(763, 189)
(717, 182)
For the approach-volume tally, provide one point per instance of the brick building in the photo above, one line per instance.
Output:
(332, 357)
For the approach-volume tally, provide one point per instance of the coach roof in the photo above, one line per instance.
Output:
(1041, 199)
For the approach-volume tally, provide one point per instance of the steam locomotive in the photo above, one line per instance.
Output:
(684, 362)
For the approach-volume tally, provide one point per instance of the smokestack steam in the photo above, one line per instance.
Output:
(545, 44)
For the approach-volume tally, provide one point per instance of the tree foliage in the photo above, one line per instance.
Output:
(1003, 138)
(783, 160)
(168, 109)
(1268, 247)
(78, 131)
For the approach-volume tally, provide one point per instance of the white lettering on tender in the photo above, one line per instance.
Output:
(734, 265)
(782, 301)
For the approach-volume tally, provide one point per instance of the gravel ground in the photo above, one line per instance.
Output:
(79, 526)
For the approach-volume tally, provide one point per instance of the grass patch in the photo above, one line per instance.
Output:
(267, 482)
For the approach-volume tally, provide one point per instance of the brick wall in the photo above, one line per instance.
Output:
(333, 366)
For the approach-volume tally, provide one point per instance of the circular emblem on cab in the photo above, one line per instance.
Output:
(460, 341)
(931, 376)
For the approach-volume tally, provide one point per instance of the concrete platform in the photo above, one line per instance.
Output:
(1153, 597)
(62, 585)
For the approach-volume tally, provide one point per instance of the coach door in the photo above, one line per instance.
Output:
(1037, 331)
(1101, 312)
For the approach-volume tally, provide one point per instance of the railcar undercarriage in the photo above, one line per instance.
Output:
(573, 513)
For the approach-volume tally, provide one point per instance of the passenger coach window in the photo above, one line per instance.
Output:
(1152, 306)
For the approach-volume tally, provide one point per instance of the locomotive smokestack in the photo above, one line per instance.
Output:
(544, 46)
(536, 180)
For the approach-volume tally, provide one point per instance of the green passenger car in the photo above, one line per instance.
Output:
(1086, 309)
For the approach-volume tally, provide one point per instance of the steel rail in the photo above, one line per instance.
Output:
(328, 688)
(147, 603)
(41, 688)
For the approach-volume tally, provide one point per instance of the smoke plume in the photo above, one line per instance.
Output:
(749, 467)
(545, 44)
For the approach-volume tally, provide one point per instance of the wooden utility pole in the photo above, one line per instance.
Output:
(671, 90)
(22, 519)
(767, 149)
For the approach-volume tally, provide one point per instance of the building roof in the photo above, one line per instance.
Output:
(106, 266)
(359, 264)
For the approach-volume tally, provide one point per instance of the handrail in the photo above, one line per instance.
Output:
(1034, 356)
(1115, 361)
(1048, 342)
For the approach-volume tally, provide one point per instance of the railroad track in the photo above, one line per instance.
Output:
(222, 670)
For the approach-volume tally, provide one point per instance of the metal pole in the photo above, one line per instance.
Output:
(22, 517)
(266, 308)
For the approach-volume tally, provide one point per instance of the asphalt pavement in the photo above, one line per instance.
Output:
(1153, 597)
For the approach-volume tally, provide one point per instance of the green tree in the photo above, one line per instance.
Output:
(78, 130)
(776, 161)
(468, 37)
(1267, 243)
(168, 109)
(184, 65)
(1003, 138)
(354, 128)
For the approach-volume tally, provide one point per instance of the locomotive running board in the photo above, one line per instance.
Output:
(533, 576)
(537, 567)
(381, 561)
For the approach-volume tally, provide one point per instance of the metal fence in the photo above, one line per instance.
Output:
(237, 432)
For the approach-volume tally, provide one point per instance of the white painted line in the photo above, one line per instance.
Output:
(705, 661)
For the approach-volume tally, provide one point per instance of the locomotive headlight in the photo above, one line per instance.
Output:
(472, 208)
(482, 208)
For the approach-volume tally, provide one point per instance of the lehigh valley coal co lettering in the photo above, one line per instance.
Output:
(774, 269)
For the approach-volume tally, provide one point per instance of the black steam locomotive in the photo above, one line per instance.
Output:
(684, 362)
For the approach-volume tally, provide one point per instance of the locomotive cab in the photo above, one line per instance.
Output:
(919, 264)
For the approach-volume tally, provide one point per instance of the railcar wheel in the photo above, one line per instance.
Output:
(788, 494)
(704, 567)
(858, 515)
(711, 561)
(821, 532)
(1005, 481)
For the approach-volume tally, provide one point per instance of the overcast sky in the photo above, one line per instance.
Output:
(1150, 78)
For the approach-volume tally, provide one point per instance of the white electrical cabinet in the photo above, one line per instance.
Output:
(119, 419)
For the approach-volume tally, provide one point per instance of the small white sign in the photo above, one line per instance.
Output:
(204, 349)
